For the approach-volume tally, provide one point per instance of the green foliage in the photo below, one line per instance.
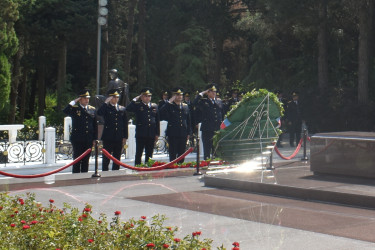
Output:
(27, 224)
(4, 80)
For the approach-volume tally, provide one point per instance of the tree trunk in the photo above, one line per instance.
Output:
(41, 88)
(141, 43)
(365, 31)
(129, 40)
(322, 47)
(14, 84)
(61, 75)
(23, 91)
(218, 60)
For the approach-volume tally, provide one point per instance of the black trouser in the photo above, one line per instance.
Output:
(295, 130)
(207, 143)
(78, 149)
(144, 143)
(114, 148)
(177, 146)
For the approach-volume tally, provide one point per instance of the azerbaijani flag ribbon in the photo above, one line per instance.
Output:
(225, 124)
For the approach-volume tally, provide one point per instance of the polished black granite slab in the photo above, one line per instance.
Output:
(349, 153)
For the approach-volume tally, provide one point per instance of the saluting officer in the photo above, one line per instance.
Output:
(147, 128)
(212, 116)
(177, 114)
(164, 99)
(115, 130)
(84, 128)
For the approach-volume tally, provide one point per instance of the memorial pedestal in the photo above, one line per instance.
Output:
(343, 153)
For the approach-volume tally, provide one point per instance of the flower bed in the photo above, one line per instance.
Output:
(26, 224)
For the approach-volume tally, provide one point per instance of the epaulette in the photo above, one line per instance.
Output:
(184, 104)
(91, 107)
(75, 106)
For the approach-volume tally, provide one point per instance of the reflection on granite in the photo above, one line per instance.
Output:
(343, 153)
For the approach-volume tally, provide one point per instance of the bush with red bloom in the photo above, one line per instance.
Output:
(176, 240)
(23, 222)
(99, 221)
(25, 227)
(197, 233)
(143, 217)
(149, 245)
(117, 212)
(90, 240)
(84, 215)
(236, 244)
(12, 225)
(87, 209)
(235, 248)
(79, 219)
(165, 246)
(51, 201)
(33, 222)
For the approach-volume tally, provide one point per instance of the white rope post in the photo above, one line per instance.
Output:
(50, 145)
(42, 125)
(67, 126)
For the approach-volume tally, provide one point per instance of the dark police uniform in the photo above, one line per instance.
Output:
(212, 116)
(179, 126)
(84, 130)
(115, 129)
(294, 117)
(162, 102)
(147, 126)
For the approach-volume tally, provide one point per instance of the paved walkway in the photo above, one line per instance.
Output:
(256, 221)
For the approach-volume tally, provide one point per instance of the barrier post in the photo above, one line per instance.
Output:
(96, 174)
(304, 159)
(198, 160)
(271, 161)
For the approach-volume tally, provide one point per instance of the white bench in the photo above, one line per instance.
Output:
(12, 131)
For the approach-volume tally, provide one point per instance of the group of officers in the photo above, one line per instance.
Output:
(182, 114)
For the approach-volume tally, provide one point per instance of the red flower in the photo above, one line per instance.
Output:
(90, 240)
(177, 240)
(1, 207)
(149, 245)
(235, 248)
(12, 225)
(25, 227)
(197, 233)
(79, 219)
(51, 201)
(84, 215)
(87, 209)
(131, 225)
(33, 222)
(23, 222)
(165, 245)
(236, 244)
(117, 213)
(99, 221)
(143, 217)
(12, 215)
(169, 228)
(16, 212)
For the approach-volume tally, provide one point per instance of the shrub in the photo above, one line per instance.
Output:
(27, 224)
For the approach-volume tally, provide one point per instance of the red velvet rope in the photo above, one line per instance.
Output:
(309, 138)
(105, 152)
(293, 155)
(88, 151)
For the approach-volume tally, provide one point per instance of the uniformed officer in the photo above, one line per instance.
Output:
(164, 99)
(234, 98)
(212, 116)
(84, 128)
(191, 109)
(294, 118)
(177, 114)
(147, 124)
(115, 130)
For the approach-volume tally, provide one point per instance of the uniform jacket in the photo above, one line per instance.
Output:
(211, 114)
(115, 122)
(84, 123)
(146, 118)
(178, 117)
(293, 112)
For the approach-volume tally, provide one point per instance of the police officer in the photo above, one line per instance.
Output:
(147, 129)
(212, 116)
(115, 130)
(294, 118)
(177, 114)
(191, 109)
(164, 99)
(84, 128)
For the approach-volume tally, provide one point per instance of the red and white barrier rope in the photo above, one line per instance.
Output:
(88, 151)
(294, 153)
(105, 152)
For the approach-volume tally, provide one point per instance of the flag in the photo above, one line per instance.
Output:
(225, 124)
(278, 122)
